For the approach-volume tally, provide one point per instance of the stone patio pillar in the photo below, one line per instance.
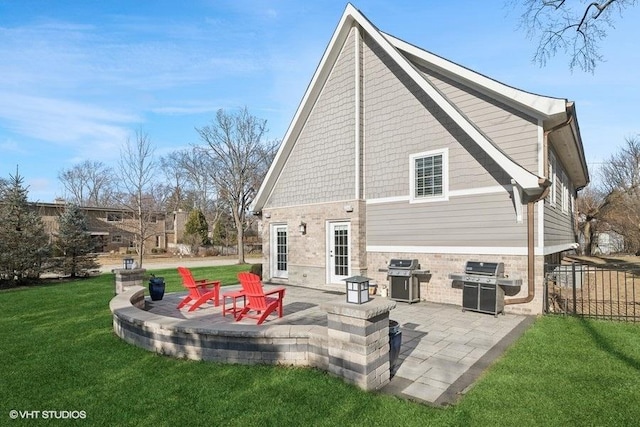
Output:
(358, 341)
(125, 278)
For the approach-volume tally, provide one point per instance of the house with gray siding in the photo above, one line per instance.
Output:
(395, 152)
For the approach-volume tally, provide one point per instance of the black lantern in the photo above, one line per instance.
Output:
(357, 289)
(128, 263)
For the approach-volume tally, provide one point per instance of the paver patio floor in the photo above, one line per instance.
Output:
(443, 351)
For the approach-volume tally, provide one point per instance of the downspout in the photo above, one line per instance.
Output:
(530, 258)
(531, 255)
(358, 92)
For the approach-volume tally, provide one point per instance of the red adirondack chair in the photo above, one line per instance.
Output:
(200, 291)
(258, 300)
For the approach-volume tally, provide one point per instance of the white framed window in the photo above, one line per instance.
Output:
(552, 177)
(564, 185)
(429, 176)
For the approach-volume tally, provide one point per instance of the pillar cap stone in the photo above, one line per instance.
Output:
(126, 271)
(372, 308)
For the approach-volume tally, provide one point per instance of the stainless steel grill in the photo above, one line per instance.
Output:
(403, 281)
(482, 286)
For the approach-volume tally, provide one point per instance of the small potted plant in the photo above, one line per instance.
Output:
(156, 288)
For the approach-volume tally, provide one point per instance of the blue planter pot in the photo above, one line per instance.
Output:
(156, 288)
(395, 342)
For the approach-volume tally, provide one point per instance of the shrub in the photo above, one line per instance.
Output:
(210, 251)
(256, 269)
(196, 225)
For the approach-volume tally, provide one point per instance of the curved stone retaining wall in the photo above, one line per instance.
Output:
(194, 339)
(339, 349)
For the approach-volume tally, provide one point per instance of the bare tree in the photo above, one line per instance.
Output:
(195, 168)
(137, 173)
(622, 171)
(239, 158)
(573, 27)
(192, 186)
(621, 183)
(89, 183)
(176, 177)
(589, 204)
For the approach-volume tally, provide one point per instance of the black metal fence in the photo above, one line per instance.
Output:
(605, 291)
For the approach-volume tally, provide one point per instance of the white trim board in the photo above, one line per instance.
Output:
(496, 189)
(480, 250)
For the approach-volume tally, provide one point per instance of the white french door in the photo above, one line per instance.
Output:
(339, 252)
(279, 251)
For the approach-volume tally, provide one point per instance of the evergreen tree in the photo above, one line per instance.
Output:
(196, 225)
(74, 243)
(24, 244)
(220, 235)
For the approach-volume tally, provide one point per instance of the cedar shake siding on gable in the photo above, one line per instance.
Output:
(320, 167)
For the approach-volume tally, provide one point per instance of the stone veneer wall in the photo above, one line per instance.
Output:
(438, 288)
(358, 342)
(307, 261)
(125, 279)
(307, 257)
(355, 345)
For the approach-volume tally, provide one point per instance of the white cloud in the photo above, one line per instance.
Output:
(11, 146)
(62, 121)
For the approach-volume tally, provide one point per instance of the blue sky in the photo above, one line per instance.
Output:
(77, 78)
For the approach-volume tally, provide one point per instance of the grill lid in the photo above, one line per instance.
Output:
(403, 267)
(408, 264)
(489, 273)
(484, 268)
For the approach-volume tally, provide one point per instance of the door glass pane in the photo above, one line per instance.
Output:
(281, 249)
(341, 250)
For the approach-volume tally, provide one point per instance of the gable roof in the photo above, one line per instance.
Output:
(557, 114)
(550, 110)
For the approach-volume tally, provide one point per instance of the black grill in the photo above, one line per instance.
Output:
(403, 280)
(482, 286)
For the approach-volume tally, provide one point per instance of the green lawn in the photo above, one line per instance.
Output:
(58, 352)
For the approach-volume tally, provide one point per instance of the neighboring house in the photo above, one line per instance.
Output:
(112, 230)
(395, 152)
(608, 243)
